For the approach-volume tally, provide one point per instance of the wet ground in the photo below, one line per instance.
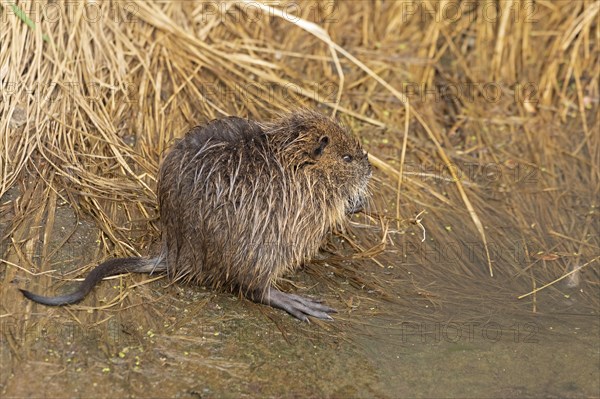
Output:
(180, 341)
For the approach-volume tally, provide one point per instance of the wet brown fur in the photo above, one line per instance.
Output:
(241, 203)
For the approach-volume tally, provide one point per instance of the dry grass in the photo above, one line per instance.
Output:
(507, 168)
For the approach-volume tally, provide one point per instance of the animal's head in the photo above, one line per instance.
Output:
(322, 150)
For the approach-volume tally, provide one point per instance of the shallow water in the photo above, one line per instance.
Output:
(244, 354)
(500, 356)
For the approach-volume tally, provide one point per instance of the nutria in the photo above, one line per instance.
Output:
(243, 202)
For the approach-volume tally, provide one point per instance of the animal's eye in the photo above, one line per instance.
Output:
(347, 158)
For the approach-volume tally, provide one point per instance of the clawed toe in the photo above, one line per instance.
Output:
(298, 306)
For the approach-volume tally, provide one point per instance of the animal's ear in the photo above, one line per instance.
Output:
(318, 151)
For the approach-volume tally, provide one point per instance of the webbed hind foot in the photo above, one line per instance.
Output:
(297, 306)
